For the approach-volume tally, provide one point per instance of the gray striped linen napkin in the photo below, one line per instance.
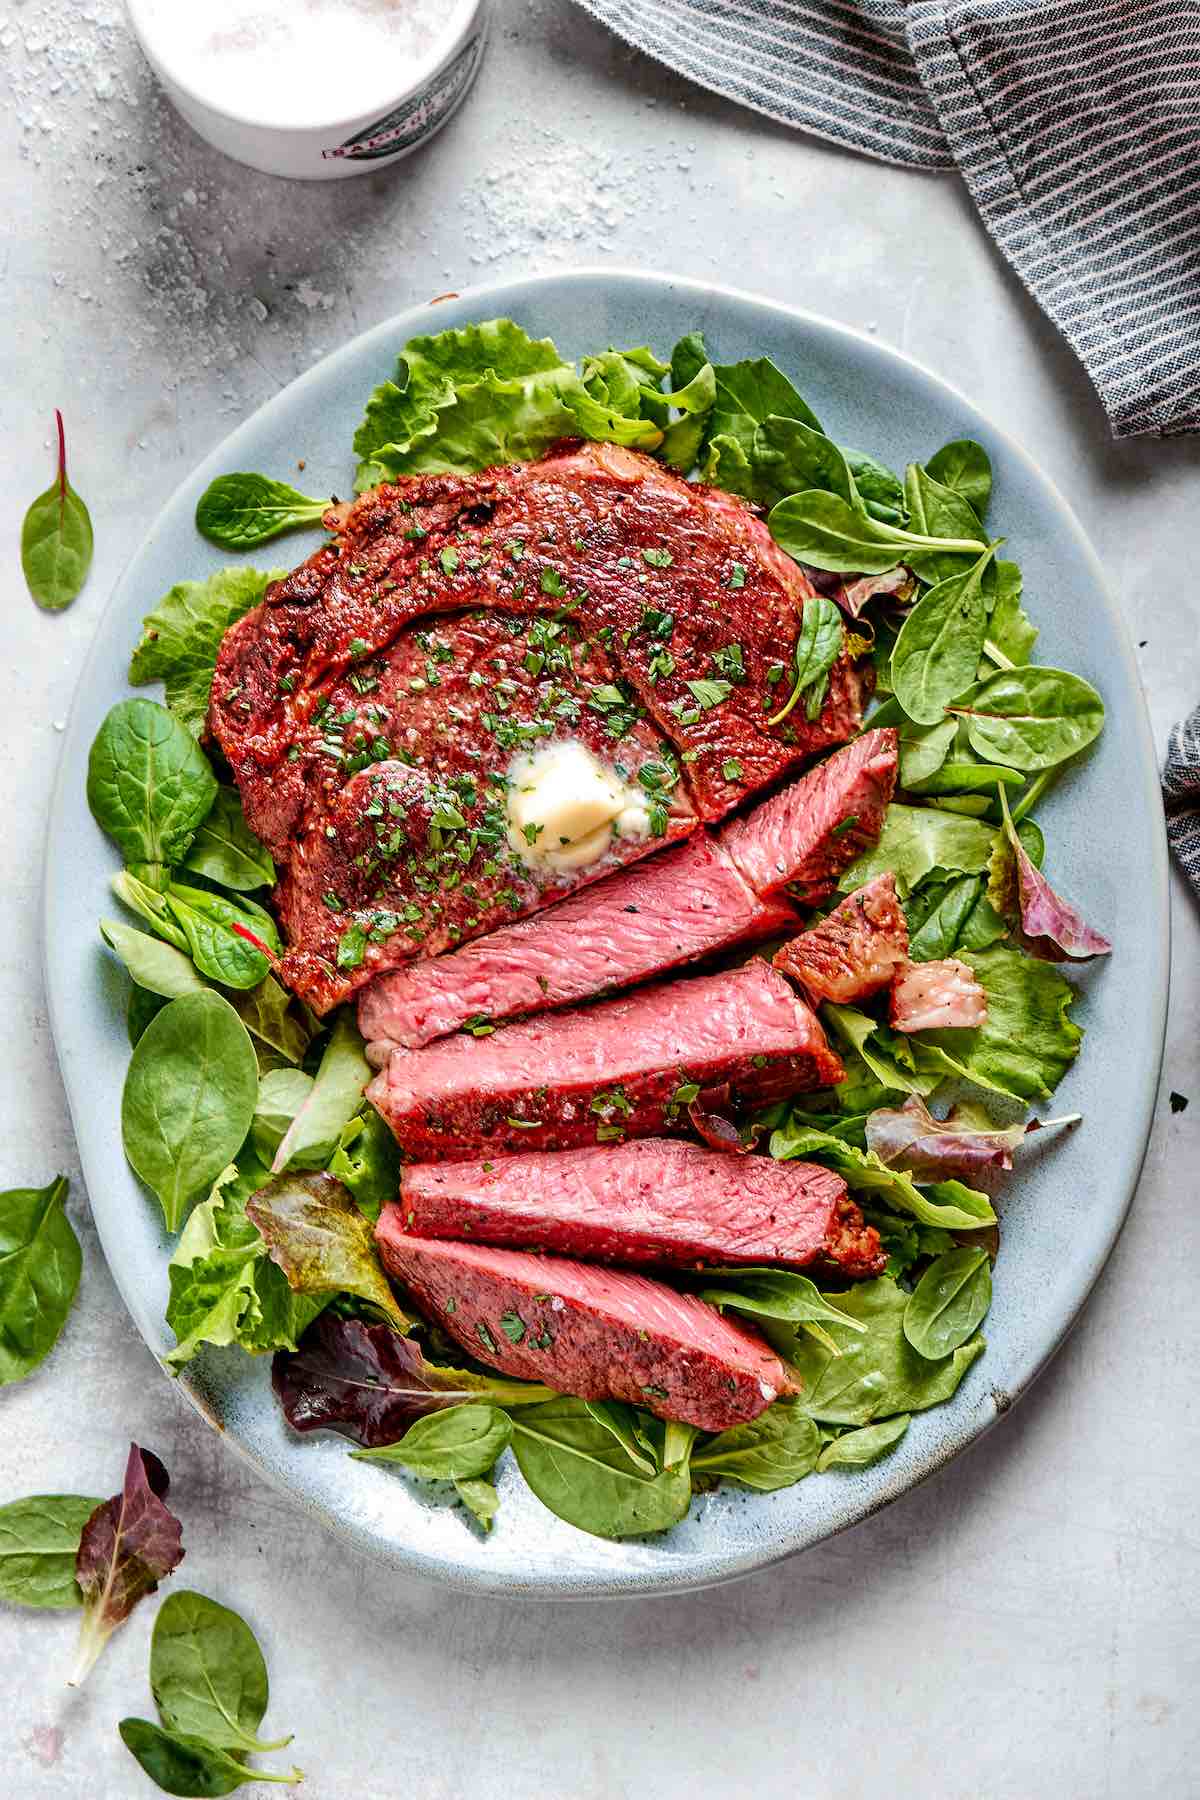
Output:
(1181, 791)
(1074, 123)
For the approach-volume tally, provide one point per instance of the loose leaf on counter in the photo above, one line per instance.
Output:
(188, 1100)
(226, 850)
(948, 1303)
(187, 1765)
(455, 1444)
(321, 1241)
(964, 1143)
(40, 1263)
(56, 539)
(39, 1541)
(149, 784)
(181, 637)
(937, 653)
(370, 1383)
(337, 1095)
(578, 1469)
(775, 1450)
(127, 1547)
(1031, 718)
(822, 530)
(858, 1449)
(878, 1374)
(240, 511)
(207, 1674)
(1051, 928)
(965, 468)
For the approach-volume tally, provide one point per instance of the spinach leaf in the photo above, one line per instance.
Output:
(226, 851)
(188, 1100)
(968, 778)
(858, 1449)
(40, 1261)
(947, 1204)
(458, 1443)
(141, 1007)
(223, 936)
(126, 1548)
(188, 1765)
(818, 647)
(880, 491)
(939, 512)
(39, 1541)
(337, 1094)
(321, 1241)
(822, 530)
(578, 1469)
(876, 1374)
(240, 511)
(937, 653)
(152, 964)
(181, 637)
(148, 784)
(950, 916)
(923, 748)
(1031, 718)
(1010, 629)
(781, 457)
(369, 1383)
(749, 392)
(627, 1427)
(281, 1094)
(207, 1674)
(480, 1498)
(773, 1294)
(965, 468)
(56, 539)
(1027, 1042)
(775, 1450)
(948, 1303)
(269, 1012)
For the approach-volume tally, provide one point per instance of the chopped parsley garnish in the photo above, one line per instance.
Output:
(612, 1102)
(728, 659)
(551, 582)
(516, 549)
(448, 557)
(685, 1093)
(845, 826)
(485, 1337)
(352, 947)
(513, 1326)
(609, 1134)
(657, 624)
(658, 559)
(737, 575)
(710, 693)
(731, 769)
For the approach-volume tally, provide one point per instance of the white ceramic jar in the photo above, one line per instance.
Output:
(314, 89)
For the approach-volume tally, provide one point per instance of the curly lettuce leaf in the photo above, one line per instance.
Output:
(181, 637)
(946, 1204)
(1027, 1043)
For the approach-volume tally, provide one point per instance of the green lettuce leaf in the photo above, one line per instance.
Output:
(946, 1204)
(181, 637)
(1027, 1043)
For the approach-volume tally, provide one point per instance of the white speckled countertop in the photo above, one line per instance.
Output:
(1027, 1624)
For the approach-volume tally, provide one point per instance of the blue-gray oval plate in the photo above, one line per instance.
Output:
(1061, 1212)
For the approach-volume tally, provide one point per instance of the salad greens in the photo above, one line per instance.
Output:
(40, 1263)
(208, 1676)
(245, 1113)
(127, 1546)
(56, 539)
(39, 1542)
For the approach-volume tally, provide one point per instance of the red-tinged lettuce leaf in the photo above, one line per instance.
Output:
(370, 1384)
(128, 1545)
(317, 1235)
(965, 1143)
(720, 1133)
(1050, 927)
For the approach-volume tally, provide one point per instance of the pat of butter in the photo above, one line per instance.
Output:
(562, 806)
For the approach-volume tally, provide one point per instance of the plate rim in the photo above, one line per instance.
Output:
(958, 1435)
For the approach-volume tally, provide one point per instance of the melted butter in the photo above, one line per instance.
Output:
(565, 807)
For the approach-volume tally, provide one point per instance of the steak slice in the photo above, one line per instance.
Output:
(602, 1334)
(804, 836)
(855, 951)
(628, 1066)
(654, 1200)
(645, 920)
(937, 996)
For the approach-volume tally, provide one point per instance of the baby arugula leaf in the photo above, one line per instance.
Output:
(459, 1443)
(948, 1303)
(239, 511)
(39, 1541)
(774, 1451)
(207, 1674)
(187, 1765)
(324, 1245)
(56, 539)
(936, 656)
(181, 637)
(858, 1449)
(149, 786)
(188, 1100)
(127, 1546)
(40, 1262)
(370, 1383)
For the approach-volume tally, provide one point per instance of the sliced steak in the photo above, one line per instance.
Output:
(642, 921)
(456, 621)
(804, 836)
(603, 1334)
(645, 920)
(654, 1200)
(626, 1067)
(855, 951)
(936, 996)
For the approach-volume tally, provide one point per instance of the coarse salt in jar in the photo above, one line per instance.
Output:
(314, 89)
